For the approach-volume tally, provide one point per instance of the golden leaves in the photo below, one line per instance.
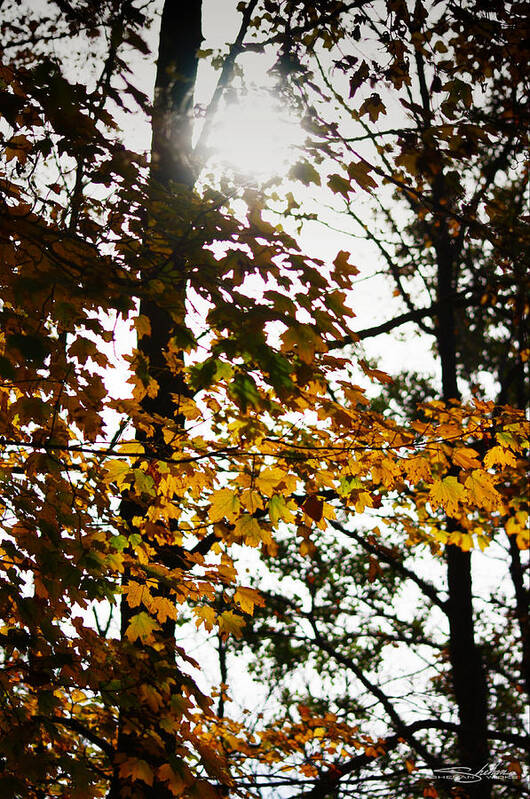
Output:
(224, 503)
(142, 626)
(466, 457)
(482, 490)
(205, 615)
(303, 340)
(247, 598)
(499, 456)
(281, 509)
(230, 623)
(268, 480)
(250, 531)
(447, 493)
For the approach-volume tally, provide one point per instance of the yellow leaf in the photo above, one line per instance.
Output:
(417, 469)
(364, 500)
(447, 493)
(134, 593)
(306, 341)
(141, 626)
(142, 325)
(246, 598)
(117, 472)
(137, 770)
(131, 448)
(280, 509)
(251, 500)
(248, 528)
(501, 456)
(466, 457)
(163, 608)
(462, 540)
(205, 615)
(231, 623)
(482, 490)
(523, 540)
(518, 523)
(224, 504)
(268, 479)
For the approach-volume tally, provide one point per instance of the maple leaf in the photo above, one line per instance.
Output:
(418, 469)
(340, 185)
(499, 456)
(134, 593)
(18, 147)
(466, 457)
(313, 507)
(304, 340)
(141, 626)
(482, 489)
(151, 696)
(224, 503)
(462, 540)
(268, 479)
(281, 509)
(163, 608)
(251, 500)
(205, 615)
(246, 598)
(344, 271)
(137, 769)
(142, 325)
(250, 530)
(359, 173)
(231, 623)
(305, 173)
(177, 781)
(117, 472)
(448, 493)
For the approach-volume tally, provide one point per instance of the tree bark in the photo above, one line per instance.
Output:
(468, 673)
(171, 173)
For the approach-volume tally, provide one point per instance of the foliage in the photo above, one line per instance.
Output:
(265, 442)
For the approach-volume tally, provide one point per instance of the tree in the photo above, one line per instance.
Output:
(421, 54)
(214, 444)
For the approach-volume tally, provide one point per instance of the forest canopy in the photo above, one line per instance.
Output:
(196, 441)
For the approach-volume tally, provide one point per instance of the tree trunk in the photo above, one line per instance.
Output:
(468, 674)
(171, 172)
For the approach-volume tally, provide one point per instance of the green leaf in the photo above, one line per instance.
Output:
(339, 185)
(244, 391)
(305, 173)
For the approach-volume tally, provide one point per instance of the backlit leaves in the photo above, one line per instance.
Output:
(138, 493)
(142, 626)
(447, 493)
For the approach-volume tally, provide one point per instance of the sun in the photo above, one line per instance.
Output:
(256, 137)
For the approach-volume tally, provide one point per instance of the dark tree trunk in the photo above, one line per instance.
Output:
(522, 597)
(468, 674)
(171, 173)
